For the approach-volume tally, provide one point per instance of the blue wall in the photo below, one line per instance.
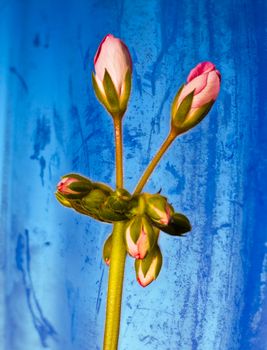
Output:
(212, 290)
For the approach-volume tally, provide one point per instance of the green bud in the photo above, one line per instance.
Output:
(93, 201)
(107, 249)
(140, 236)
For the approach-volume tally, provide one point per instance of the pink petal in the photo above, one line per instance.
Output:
(210, 92)
(150, 275)
(197, 84)
(132, 247)
(203, 67)
(113, 55)
(143, 245)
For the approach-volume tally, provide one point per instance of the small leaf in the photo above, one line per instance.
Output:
(111, 93)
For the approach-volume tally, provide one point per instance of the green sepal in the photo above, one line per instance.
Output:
(133, 207)
(62, 200)
(98, 92)
(94, 199)
(175, 101)
(197, 116)
(182, 111)
(80, 186)
(103, 187)
(107, 249)
(74, 196)
(119, 200)
(178, 225)
(156, 206)
(150, 232)
(147, 261)
(111, 93)
(127, 91)
(135, 226)
(108, 214)
(78, 206)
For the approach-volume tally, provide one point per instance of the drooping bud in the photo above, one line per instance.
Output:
(112, 79)
(158, 209)
(148, 269)
(140, 236)
(107, 249)
(195, 99)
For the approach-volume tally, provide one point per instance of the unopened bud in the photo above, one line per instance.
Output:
(148, 269)
(158, 209)
(140, 236)
(74, 186)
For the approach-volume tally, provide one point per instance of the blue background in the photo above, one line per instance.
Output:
(211, 293)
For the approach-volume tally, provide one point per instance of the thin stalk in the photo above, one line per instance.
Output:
(118, 143)
(166, 144)
(117, 259)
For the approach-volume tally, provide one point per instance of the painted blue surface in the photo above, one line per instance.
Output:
(211, 293)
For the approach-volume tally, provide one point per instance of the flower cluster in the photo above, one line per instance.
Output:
(144, 214)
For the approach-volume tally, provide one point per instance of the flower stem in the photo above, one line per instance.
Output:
(118, 143)
(115, 286)
(117, 259)
(166, 144)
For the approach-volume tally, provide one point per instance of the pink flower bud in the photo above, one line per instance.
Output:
(158, 209)
(113, 59)
(148, 269)
(195, 98)
(63, 185)
(140, 237)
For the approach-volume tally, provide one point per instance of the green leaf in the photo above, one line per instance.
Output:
(183, 109)
(111, 93)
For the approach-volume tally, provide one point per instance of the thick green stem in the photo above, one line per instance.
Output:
(166, 144)
(115, 286)
(117, 258)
